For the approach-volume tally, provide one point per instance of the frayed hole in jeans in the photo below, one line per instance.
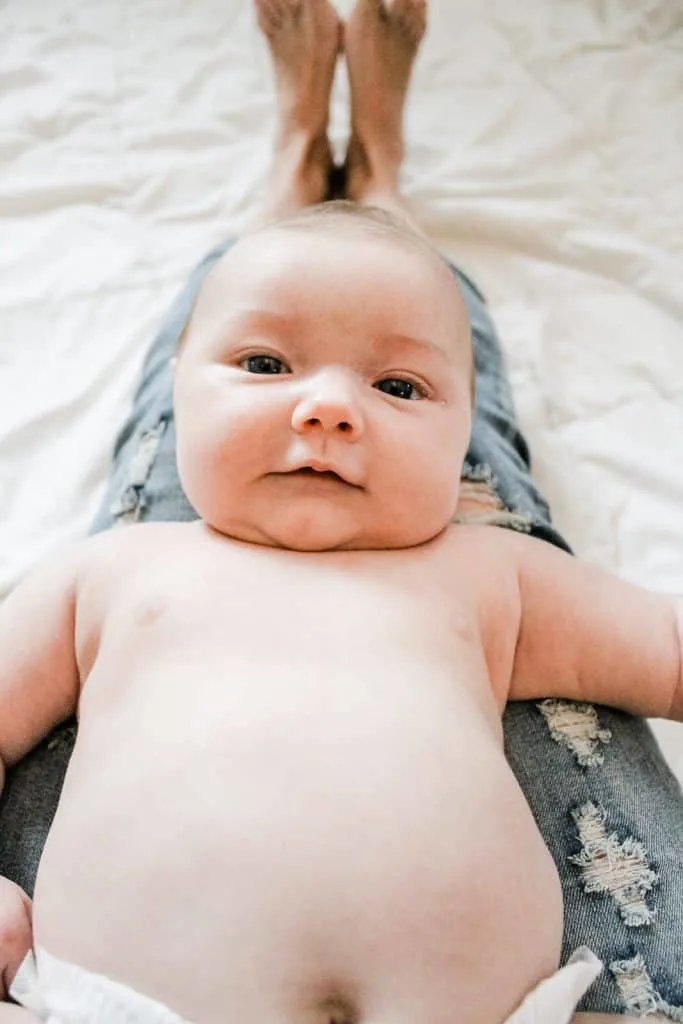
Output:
(575, 725)
(613, 868)
(131, 503)
(638, 992)
(479, 504)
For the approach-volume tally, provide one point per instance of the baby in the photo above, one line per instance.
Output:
(288, 800)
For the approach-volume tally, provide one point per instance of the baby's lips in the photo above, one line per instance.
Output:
(324, 466)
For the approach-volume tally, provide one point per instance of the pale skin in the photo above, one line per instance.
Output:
(288, 693)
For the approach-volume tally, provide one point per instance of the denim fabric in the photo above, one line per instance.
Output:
(601, 793)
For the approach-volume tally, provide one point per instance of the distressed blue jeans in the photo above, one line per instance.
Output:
(608, 807)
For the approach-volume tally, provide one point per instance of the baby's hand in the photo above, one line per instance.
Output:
(16, 931)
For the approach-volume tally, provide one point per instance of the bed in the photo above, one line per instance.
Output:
(545, 154)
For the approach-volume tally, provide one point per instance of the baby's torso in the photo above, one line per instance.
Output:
(288, 800)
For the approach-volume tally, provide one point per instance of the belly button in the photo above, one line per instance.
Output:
(337, 1011)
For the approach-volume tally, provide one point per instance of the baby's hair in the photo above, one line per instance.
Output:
(375, 220)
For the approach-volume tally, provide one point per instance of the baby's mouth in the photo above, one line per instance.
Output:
(325, 473)
(320, 475)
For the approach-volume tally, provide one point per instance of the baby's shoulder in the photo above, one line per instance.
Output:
(132, 536)
(488, 547)
(479, 563)
(496, 561)
(537, 570)
(127, 549)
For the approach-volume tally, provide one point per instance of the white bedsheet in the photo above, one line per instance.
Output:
(545, 154)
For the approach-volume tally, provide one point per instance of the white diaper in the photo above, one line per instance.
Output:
(554, 1000)
(62, 993)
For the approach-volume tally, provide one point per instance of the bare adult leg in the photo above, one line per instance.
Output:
(304, 38)
(381, 41)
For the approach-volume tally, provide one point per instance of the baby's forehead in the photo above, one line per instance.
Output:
(277, 244)
(283, 260)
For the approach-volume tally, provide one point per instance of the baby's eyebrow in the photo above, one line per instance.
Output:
(382, 345)
(408, 342)
(266, 319)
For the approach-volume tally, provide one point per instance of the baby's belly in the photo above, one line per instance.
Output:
(317, 849)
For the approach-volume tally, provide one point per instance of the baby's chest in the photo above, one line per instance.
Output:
(341, 610)
(440, 606)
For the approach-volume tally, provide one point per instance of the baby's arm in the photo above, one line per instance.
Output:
(39, 686)
(587, 635)
(39, 678)
(16, 932)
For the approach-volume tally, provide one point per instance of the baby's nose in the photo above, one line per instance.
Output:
(330, 403)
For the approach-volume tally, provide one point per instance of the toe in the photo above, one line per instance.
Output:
(267, 16)
(411, 15)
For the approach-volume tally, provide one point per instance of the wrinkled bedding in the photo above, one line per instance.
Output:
(545, 155)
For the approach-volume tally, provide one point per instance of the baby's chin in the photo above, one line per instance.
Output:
(317, 535)
(278, 536)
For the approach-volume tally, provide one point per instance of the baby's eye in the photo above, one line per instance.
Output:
(400, 388)
(263, 364)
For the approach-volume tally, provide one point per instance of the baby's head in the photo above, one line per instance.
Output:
(323, 392)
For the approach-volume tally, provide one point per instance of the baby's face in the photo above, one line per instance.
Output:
(323, 395)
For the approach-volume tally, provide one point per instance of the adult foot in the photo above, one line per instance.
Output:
(304, 38)
(381, 40)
